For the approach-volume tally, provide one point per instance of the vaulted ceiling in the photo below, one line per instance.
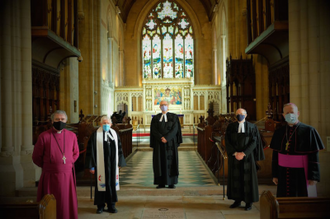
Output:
(126, 5)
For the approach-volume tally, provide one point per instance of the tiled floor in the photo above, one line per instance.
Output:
(141, 136)
(196, 196)
(139, 171)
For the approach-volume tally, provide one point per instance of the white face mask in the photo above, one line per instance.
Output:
(163, 108)
(291, 118)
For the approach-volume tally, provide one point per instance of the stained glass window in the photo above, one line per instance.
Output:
(167, 43)
(156, 57)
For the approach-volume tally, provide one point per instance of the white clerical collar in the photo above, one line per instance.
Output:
(163, 116)
(241, 127)
(57, 131)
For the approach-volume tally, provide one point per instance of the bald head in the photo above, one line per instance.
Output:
(241, 115)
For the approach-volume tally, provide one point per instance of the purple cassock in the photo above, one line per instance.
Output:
(56, 153)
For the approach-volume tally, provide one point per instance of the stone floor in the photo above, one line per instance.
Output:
(197, 194)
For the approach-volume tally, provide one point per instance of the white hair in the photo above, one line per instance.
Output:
(105, 118)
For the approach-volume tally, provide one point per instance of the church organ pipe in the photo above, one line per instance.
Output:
(262, 13)
(260, 16)
(268, 14)
(248, 20)
(254, 20)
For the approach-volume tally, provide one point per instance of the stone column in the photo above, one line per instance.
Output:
(121, 68)
(16, 166)
(223, 76)
(69, 89)
(309, 52)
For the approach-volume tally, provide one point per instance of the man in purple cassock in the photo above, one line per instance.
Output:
(55, 152)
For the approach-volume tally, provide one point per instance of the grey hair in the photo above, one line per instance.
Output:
(59, 112)
(105, 118)
(290, 104)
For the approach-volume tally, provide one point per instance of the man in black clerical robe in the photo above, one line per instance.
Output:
(165, 138)
(244, 148)
(104, 142)
(295, 162)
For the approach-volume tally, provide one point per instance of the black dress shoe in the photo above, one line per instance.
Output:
(235, 204)
(99, 210)
(248, 206)
(172, 186)
(112, 210)
(160, 186)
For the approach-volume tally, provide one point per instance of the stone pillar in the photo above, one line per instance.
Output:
(309, 52)
(16, 166)
(223, 76)
(121, 68)
(69, 89)
(262, 85)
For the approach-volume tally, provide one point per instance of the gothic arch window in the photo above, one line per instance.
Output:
(167, 43)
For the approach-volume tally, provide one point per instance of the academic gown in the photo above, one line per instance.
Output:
(304, 141)
(58, 178)
(110, 195)
(165, 156)
(242, 175)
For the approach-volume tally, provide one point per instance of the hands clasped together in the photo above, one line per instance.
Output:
(163, 140)
(239, 155)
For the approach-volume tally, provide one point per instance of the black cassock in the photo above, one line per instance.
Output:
(165, 156)
(110, 195)
(303, 140)
(242, 175)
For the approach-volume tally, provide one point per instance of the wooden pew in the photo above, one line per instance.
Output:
(293, 207)
(46, 209)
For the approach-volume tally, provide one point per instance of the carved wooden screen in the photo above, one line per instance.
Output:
(45, 98)
(241, 90)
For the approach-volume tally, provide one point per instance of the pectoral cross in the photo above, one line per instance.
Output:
(287, 145)
(63, 158)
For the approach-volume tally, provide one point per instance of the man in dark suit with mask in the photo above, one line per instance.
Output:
(244, 148)
(165, 138)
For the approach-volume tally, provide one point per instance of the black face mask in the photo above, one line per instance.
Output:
(240, 117)
(59, 125)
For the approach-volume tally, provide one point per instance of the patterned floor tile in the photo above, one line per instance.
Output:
(138, 171)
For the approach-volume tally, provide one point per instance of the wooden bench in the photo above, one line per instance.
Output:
(46, 209)
(293, 207)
